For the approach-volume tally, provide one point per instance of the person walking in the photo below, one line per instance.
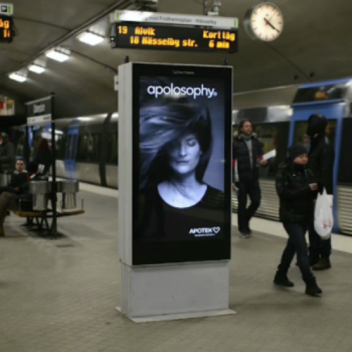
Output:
(247, 154)
(296, 187)
(321, 162)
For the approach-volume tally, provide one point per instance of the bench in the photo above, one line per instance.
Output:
(41, 217)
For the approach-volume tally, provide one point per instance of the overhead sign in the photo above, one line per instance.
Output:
(177, 38)
(6, 29)
(39, 111)
(167, 18)
(6, 9)
(36, 120)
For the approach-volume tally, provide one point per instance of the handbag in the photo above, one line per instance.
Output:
(323, 216)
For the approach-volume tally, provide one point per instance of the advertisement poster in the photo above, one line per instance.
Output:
(181, 168)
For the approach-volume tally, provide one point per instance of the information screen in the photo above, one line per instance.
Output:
(177, 38)
(182, 163)
(6, 29)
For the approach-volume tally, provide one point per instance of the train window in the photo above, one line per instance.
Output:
(89, 148)
(301, 137)
(112, 144)
(61, 146)
(272, 136)
(345, 162)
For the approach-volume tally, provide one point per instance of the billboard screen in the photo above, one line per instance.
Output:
(181, 163)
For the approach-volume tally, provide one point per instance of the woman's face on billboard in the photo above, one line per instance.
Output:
(184, 154)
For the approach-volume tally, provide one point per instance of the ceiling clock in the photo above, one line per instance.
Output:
(264, 22)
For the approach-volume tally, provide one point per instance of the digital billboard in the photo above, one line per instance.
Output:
(181, 163)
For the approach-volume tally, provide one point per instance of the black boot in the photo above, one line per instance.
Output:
(313, 260)
(323, 264)
(312, 289)
(281, 279)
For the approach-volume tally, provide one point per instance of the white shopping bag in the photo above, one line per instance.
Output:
(323, 217)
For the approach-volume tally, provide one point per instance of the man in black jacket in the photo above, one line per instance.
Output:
(247, 154)
(17, 186)
(321, 162)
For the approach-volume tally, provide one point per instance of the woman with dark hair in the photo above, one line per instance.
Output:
(43, 155)
(175, 148)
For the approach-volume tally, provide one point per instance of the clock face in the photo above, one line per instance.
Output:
(265, 22)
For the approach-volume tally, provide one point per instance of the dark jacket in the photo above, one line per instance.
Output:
(241, 159)
(7, 155)
(321, 162)
(18, 180)
(43, 157)
(296, 197)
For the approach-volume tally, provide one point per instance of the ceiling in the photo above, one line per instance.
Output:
(315, 39)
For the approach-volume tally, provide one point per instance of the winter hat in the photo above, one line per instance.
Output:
(296, 150)
(316, 125)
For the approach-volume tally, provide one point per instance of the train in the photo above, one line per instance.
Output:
(87, 147)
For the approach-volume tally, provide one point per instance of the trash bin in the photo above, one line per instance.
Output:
(39, 190)
(5, 179)
(69, 190)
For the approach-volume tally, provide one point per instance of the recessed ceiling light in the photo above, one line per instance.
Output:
(90, 38)
(57, 54)
(36, 68)
(17, 77)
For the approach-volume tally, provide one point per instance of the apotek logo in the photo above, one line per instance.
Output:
(182, 91)
(205, 231)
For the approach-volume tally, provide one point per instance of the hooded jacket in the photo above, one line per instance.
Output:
(321, 153)
(296, 198)
(7, 155)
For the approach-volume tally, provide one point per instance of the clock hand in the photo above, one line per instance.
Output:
(271, 25)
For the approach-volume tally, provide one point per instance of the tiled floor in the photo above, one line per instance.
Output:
(61, 296)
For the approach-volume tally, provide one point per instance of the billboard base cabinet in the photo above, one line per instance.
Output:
(176, 291)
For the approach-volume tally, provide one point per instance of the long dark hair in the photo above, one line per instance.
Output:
(161, 123)
(240, 126)
(43, 144)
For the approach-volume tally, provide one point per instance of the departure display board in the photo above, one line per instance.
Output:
(6, 30)
(176, 38)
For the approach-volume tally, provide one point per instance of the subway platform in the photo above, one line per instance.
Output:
(58, 296)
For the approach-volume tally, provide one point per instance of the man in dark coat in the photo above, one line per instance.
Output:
(321, 162)
(247, 154)
(9, 194)
(7, 154)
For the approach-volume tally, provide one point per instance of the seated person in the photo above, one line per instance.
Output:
(9, 194)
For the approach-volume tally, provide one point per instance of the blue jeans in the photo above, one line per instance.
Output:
(296, 244)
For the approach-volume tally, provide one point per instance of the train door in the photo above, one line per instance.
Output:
(333, 111)
(71, 152)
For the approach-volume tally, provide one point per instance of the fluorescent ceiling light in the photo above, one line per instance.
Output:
(90, 38)
(58, 55)
(84, 119)
(16, 77)
(36, 68)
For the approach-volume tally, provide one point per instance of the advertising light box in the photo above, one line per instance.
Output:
(181, 163)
